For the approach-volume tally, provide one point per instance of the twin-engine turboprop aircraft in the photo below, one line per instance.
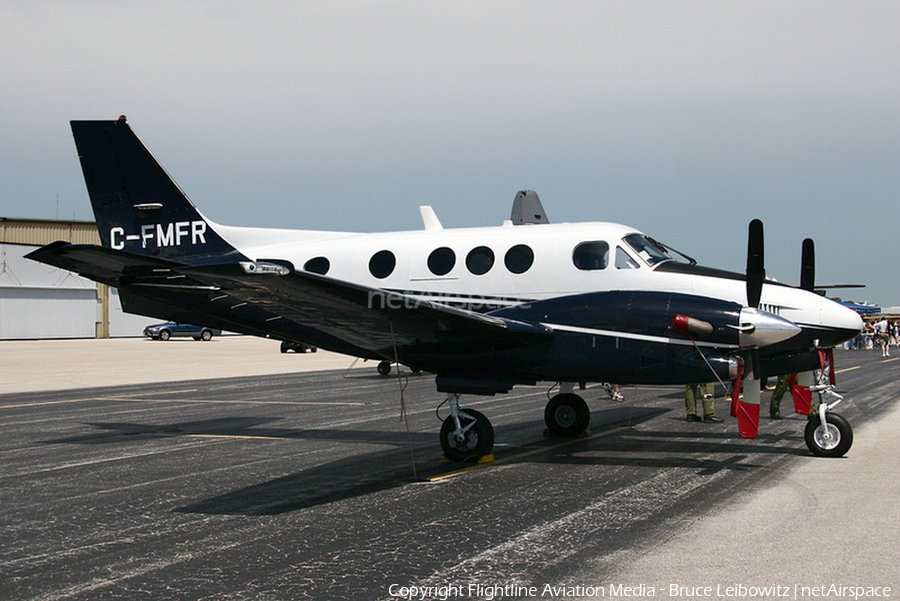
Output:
(483, 308)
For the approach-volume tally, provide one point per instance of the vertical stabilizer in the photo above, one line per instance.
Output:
(527, 209)
(137, 206)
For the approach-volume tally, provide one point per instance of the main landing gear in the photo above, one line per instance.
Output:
(467, 435)
(567, 414)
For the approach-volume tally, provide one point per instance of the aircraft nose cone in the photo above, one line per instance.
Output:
(761, 328)
(838, 323)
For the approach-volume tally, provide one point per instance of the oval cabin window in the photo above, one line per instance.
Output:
(319, 265)
(382, 264)
(519, 258)
(480, 260)
(441, 261)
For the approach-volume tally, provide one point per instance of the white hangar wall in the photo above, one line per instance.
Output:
(38, 301)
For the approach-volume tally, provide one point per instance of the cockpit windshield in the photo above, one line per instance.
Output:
(649, 249)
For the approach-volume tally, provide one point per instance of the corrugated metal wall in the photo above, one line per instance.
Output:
(40, 232)
(38, 301)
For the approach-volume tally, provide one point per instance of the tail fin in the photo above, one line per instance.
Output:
(137, 205)
(527, 209)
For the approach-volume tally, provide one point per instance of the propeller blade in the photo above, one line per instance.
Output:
(756, 271)
(808, 265)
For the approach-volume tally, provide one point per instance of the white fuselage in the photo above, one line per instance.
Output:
(449, 276)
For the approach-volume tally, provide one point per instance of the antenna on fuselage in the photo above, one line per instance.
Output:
(527, 209)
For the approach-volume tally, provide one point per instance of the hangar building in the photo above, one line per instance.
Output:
(39, 301)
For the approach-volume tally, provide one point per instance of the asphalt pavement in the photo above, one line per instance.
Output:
(239, 480)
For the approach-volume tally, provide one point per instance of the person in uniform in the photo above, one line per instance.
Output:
(781, 387)
(691, 393)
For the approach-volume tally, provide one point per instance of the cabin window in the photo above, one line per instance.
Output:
(441, 261)
(624, 260)
(589, 256)
(519, 258)
(319, 265)
(382, 264)
(648, 249)
(480, 260)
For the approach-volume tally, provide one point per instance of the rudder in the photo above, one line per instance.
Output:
(136, 204)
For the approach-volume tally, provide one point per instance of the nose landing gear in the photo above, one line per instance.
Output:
(827, 434)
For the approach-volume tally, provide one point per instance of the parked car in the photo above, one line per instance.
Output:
(297, 347)
(164, 331)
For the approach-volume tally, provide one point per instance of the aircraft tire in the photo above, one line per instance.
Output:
(567, 415)
(841, 436)
(384, 368)
(478, 442)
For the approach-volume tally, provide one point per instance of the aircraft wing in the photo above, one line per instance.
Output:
(370, 318)
(267, 299)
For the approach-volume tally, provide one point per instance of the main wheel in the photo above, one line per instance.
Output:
(830, 440)
(476, 442)
(567, 415)
(384, 368)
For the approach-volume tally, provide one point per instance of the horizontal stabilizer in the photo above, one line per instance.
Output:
(111, 267)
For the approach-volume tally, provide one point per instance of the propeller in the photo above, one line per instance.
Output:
(808, 266)
(756, 271)
(747, 410)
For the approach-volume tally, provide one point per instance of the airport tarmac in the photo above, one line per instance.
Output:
(35, 365)
(226, 485)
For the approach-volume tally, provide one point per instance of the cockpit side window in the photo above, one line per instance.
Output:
(589, 256)
(647, 250)
(624, 260)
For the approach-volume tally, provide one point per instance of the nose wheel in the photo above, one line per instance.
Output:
(831, 438)
(827, 434)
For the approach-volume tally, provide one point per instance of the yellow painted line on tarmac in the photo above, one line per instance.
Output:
(95, 398)
(220, 402)
(846, 369)
(523, 454)
(239, 436)
(888, 360)
(132, 399)
(45, 403)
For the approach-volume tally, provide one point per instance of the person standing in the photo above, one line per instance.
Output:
(883, 337)
(691, 393)
(781, 387)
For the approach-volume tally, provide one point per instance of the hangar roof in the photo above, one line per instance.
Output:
(44, 231)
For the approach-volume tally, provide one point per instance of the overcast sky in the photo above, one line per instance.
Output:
(684, 120)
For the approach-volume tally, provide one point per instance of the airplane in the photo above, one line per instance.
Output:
(482, 308)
